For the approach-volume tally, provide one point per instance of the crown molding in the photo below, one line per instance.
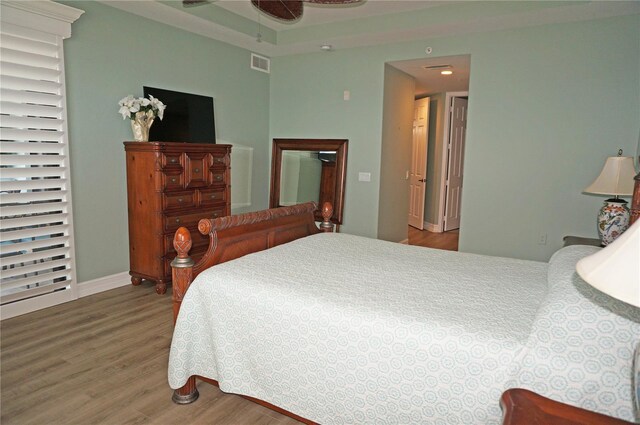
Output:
(43, 15)
(47, 8)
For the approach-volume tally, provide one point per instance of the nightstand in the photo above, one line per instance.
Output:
(524, 407)
(576, 240)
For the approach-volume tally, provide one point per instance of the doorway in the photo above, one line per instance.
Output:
(440, 200)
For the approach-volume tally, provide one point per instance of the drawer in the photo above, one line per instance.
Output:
(213, 196)
(190, 220)
(172, 180)
(172, 160)
(197, 164)
(219, 159)
(174, 200)
(217, 176)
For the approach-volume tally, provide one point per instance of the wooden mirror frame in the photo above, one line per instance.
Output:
(337, 145)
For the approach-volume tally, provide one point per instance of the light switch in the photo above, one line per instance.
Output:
(364, 177)
(346, 95)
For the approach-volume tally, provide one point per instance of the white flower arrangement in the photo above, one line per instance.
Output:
(131, 106)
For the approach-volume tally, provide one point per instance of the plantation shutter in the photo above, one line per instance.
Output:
(36, 233)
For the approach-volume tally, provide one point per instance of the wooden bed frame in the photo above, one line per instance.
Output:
(234, 236)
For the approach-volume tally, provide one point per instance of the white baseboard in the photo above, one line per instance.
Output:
(104, 283)
(84, 289)
(29, 305)
(243, 205)
(404, 242)
(435, 228)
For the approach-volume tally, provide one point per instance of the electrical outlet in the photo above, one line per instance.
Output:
(542, 239)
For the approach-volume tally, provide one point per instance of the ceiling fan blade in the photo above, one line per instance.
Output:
(191, 3)
(333, 1)
(288, 10)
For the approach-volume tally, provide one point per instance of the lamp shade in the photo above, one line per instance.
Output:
(615, 270)
(616, 177)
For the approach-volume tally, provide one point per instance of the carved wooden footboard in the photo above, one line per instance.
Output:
(232, 237)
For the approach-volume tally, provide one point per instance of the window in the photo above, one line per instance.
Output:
(36, 232)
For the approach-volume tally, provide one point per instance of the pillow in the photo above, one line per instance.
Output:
(581, 346)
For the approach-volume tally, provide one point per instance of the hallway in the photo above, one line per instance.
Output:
(446, 240)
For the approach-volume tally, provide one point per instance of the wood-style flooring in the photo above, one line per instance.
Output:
(103, 359)
(446, 240)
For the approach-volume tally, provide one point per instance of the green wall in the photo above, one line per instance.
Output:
(111, 54)
(306, 101)
(547, 105)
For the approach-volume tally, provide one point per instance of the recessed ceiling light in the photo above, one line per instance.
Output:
(326, 47)
(446, 72)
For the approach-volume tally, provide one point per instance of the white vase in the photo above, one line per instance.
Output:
(141, 124)
(613, 220)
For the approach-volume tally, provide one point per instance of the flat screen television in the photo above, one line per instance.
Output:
(187, 118)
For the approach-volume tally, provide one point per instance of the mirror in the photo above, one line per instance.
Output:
(304, 170)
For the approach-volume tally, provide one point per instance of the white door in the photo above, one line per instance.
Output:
(418, 172)
(457, 135)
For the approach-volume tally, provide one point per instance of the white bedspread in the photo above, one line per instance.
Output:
(344, 329)
(581, 345)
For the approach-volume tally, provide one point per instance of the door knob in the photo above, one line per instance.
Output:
(422, 180)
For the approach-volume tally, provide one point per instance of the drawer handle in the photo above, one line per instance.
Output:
(180, 200)
(213, 196)
(196, 170)
(173, 160)
(177, 220)
(173, 180)
(219, 160)
(218, 178)
(215, 215)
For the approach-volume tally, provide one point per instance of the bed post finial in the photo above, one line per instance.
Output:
(181, 268)
(327, 211)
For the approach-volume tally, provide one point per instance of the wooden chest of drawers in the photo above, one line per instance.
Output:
(170, 185)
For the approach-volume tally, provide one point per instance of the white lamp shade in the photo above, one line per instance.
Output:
(615, 270)
(616, 177)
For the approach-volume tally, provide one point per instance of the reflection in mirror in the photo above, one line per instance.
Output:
(306, 170)
(300, 177)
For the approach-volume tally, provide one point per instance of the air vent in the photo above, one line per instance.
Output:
(260, 63)
(436, 67)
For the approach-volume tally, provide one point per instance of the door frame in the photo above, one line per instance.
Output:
(445, 153)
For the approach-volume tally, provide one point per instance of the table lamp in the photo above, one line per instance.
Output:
(616, 178)
(615, 270)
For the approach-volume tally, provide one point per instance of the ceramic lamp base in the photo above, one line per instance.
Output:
(613, 220)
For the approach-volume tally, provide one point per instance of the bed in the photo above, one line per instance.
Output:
(335, 328)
